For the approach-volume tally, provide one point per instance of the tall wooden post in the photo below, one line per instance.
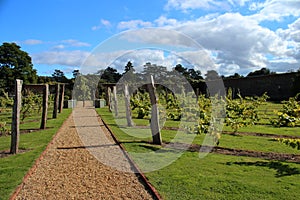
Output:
(56, 101)
(15, 125)
(115, 100)
(127, 106)
(45, 106)
(61, 98)
(109, 99)
(154, 124)
(197, 95)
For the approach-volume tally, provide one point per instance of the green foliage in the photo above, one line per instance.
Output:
(242, 112)
(15, 64)
(140, 102)
(5, 103)
(294, 143)
(204, 112)
(289, 116)
(173, 108)
(30, 104)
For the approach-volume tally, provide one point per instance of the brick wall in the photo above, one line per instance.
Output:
(278, 86)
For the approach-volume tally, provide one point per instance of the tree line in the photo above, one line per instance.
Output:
(17, 64)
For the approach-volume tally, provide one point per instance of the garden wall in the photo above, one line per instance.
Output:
(278, 86)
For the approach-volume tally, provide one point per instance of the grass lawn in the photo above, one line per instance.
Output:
(216, 176)
(13, 168)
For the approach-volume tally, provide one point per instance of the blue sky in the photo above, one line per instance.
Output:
(239, 35)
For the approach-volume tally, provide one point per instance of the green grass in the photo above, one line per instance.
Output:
(215, 176)
(13, 168)
(226, 177)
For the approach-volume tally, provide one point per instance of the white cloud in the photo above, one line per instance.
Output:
(275, 10)
(31, 42)
(134, 24)
(163, 21)
(67, 58)
(185, 5)
(58, 47)
(103, 23)
(192, 4)
(75, 43)
(231, 38)
(236, 38)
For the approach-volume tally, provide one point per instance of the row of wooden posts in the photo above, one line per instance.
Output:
(44, 89)
(111, 99)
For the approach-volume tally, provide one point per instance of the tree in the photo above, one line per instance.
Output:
(262, 72)
(75, 73)
(159, 73)
(128, 67)
(59, 76)
(212, 75)
(235, 75)
(110, 75)
(15, 64)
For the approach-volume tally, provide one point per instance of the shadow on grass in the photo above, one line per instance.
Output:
(281, 169)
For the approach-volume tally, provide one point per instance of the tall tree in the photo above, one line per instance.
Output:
(59, 76)
(15, 64)
(128, 67)
(110, 75)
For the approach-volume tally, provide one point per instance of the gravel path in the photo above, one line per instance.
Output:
(81, 163)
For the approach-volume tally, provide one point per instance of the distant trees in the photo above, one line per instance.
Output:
(15, 64)
(59, 76)
(109, 75)
(235, 75)
(262, 72)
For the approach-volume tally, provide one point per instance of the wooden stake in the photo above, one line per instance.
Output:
(115, 101)
(61, 98)
(45, 106)
(15, 126)
(127, 106)
(56, 101)
(154, 124)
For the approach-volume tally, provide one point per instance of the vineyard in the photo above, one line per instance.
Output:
(31, 112)
(256, 148)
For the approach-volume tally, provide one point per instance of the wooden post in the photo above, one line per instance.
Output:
(197, 95)
(45, 106)
(15, 125)
(61, 98)
(115, 100)
(127, 106)
(154, 124)
(109, 99)
(56, 100)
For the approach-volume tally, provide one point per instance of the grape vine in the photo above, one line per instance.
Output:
(294, 143)
(6, 103)
(289, 115)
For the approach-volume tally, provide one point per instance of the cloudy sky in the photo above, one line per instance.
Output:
(238, 35)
